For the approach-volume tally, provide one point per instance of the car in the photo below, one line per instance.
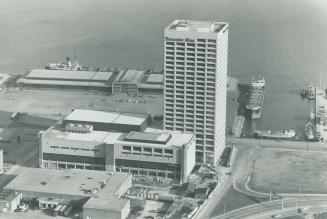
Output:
(303, 210)
(276, 216)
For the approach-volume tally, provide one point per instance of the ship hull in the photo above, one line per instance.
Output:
(283, 135)
(266, 136)
(255, 113)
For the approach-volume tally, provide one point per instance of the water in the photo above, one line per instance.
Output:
(286, 41)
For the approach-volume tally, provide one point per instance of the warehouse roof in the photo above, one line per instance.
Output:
(105, 199)
(106, 117)
(155, 79)
(103, 185)
(62, 83)
(76, 182)
(69, 75)
(129, 75)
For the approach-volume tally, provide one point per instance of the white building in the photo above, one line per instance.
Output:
(94, 140)
(195, 71)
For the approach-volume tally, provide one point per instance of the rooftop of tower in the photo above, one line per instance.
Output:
(197, 26)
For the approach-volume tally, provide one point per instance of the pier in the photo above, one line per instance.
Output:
(321, 114)
(237, 126)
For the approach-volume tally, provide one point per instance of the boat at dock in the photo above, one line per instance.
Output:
(277, 134)
(255, 100)
(311, 93)
(304, 93)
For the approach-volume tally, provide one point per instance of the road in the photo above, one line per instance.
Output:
(283, 206)
(29, 160)
(280, 145)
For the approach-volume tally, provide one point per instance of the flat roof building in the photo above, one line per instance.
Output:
(101, 190)
(104, 120)
(127, 81)
(148, 152)
(195, 81)
(62, 79)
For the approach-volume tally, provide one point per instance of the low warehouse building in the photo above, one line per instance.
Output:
(127, 81)
(70, 80)
(9, 200)
(100, 191)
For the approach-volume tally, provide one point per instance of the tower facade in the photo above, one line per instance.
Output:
(195, 77)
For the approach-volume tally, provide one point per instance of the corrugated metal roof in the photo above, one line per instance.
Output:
(69, 75)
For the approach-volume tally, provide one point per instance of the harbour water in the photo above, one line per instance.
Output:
(285, 41)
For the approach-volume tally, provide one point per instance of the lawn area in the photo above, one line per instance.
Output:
(289, 171)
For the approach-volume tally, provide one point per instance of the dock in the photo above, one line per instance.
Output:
(237, 126)
(321, 114)
(232, 84)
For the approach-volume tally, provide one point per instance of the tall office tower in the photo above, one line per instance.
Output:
(195, 72)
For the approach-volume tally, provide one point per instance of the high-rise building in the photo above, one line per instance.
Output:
(195, 72)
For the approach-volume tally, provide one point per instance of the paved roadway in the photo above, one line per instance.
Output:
(266, 209)
(276, 144)
(214, 199)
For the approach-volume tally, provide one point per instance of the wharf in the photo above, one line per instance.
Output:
(237, 126)
(321, 114)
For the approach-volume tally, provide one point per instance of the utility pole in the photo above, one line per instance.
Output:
(224, 210)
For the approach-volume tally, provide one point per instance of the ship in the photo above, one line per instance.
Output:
(304, 93)
(277, 134)
(258, 82)
(255, 100)
(311, 94)
(310, 132)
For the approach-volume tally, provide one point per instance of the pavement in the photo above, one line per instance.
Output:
(285, 207)
(217, 195)
(30, 159)
(278, 145)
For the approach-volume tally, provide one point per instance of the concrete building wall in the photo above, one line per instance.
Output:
(73, 147)
(110, 157)
(221, 93)
(143, 155)
(188, 159)
(92, 213)
(1, 161)
(35, 194)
